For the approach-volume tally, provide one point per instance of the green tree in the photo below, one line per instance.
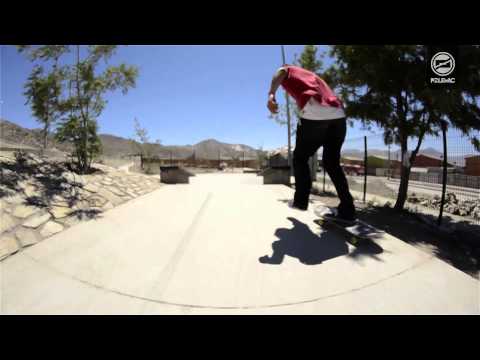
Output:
(43, 90)
(84, 101)
(43, 94)
(141, 141)
(385, 86)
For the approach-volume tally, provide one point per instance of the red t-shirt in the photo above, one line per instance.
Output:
(302, 84)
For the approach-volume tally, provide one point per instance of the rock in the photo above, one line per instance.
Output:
(71, 220)
(34, 159)
(91, 188)
(463, 212)
(69, 176)
(81, 205)
(131, 193)
(37, 220)
(96, 201)
(108, 205)
(6, 223)
(66, 186)
(114, 199)
(8, 246)
(59, 200)
(26, 237)
(7, 172)
(3, 205)
(470, 206)
(16, 199)
(45, 169)
(81, 180)
(59, 212)
(476, 215)
(116, 191)
(30, 190)
(451, 198)
(24, 211)
(50, 228)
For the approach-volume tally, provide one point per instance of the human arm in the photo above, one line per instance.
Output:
(277, 80)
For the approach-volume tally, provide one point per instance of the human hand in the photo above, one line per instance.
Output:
(272, 104)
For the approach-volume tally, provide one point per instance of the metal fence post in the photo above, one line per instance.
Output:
(444, 180)
(389, 164)
(365, 165)
(323, 167)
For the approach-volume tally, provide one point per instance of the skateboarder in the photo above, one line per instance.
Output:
(322, 123)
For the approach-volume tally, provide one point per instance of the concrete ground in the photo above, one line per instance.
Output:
(195, 249)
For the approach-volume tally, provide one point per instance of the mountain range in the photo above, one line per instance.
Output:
(117, 146)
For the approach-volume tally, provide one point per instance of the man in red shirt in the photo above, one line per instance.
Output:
(322, 123)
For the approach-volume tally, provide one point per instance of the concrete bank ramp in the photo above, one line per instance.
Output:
(195, 249)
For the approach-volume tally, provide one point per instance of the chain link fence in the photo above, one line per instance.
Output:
(373, 172)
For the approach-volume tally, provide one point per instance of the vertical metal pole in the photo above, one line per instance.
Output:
(389, 164)
(365, 164)
(444, 185)
(323, 167)
(288, 123)
(314, 166)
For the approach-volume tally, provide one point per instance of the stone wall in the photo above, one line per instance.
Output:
(39, 198)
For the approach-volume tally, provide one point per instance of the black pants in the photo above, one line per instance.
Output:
(311, 135)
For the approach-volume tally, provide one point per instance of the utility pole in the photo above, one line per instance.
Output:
(389, 163)
(288, 122)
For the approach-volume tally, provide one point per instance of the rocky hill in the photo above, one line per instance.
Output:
(116, 146)
(12, 133)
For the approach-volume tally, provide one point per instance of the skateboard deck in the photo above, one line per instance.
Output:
(357, 234)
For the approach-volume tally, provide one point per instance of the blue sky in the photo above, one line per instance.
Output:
(184, 94)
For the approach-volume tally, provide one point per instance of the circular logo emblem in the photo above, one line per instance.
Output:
(442, 63)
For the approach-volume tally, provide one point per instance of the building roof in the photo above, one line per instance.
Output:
(430, 156)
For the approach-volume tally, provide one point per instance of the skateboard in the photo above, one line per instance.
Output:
(357, 234)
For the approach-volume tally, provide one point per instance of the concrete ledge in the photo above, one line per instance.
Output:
(172, 174)
(251, 171)
(277, 175)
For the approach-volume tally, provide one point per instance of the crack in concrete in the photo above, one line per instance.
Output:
(211, 307)
(168, 271)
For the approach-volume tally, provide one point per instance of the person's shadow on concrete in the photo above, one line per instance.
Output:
(301, 243)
